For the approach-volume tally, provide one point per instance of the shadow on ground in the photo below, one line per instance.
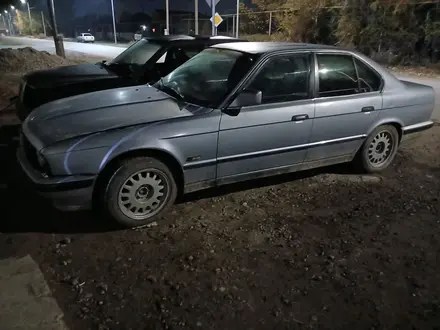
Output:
(24, 211)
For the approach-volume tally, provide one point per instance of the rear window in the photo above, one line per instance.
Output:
(138, 53)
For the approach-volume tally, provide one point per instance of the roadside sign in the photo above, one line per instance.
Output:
(217, 19)
(209, 2)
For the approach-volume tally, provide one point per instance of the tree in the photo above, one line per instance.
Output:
(251, 22)
(300, 20)
(23, 23)
(378, 26)
(372, 26)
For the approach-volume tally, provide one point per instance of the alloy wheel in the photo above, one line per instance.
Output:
(380, 148)
(144, 194)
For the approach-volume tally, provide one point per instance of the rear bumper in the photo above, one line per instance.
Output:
(410, 131)
(417, 127)
(67, 194)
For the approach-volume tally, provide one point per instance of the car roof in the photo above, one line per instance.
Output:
(184, 37)
(267, 47)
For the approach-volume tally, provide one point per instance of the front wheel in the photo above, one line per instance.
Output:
(379, 149)
(139, 192)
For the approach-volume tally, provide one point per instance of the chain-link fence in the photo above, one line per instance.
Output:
(404, 32)
(408, 29)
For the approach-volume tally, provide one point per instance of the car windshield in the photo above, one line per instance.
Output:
(208, 77)
(137, 54)
(87, 35)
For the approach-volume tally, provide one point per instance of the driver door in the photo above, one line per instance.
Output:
(271, 137)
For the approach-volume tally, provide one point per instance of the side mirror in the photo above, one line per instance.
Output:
(247, 98)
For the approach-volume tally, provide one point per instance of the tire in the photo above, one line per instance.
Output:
(139, 183)
(379, 149)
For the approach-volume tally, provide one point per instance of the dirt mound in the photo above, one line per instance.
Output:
(28, 59)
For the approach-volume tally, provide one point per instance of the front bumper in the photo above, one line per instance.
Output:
(69, 193)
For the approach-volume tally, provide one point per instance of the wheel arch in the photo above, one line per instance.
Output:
(164, 156)
(396, 123)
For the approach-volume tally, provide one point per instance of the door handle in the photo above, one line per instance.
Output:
(368, 109)
(300, 117)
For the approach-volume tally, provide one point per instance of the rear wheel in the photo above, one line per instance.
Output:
(379, 149)
(139, 192)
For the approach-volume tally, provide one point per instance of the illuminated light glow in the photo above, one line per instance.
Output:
(117, 144)
(122, 94)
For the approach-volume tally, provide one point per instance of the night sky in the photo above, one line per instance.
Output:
(84, 7)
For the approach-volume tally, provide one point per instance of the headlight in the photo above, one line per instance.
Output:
(43, 164)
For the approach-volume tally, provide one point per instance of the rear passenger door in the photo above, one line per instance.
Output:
(348, 99)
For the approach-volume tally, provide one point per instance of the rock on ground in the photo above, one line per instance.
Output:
(26, 301)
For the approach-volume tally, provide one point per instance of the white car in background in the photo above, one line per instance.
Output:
(85, 37)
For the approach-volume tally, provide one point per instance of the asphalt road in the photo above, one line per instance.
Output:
(110, 51)
(106, 51)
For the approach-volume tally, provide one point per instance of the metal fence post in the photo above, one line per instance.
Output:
(44, 25)
(196, 17)
(237, 24)
(270, 23)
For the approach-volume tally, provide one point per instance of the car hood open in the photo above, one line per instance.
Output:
(100, 111)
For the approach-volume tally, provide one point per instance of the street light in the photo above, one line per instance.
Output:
(12, 7)
(167, 16)
(29, 14)
(114, 22)
(4, 21)
(9, 20)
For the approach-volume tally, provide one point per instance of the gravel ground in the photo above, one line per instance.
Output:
(321, 249)
(324, 249)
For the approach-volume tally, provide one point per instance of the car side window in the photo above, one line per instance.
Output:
(283, 78)
(369, 80)
(337, 75)
(183, 53)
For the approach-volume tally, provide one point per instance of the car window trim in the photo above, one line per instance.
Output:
(310, 90)
(257, 68)
(317, 96)
(338, 52)
(382, 81)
